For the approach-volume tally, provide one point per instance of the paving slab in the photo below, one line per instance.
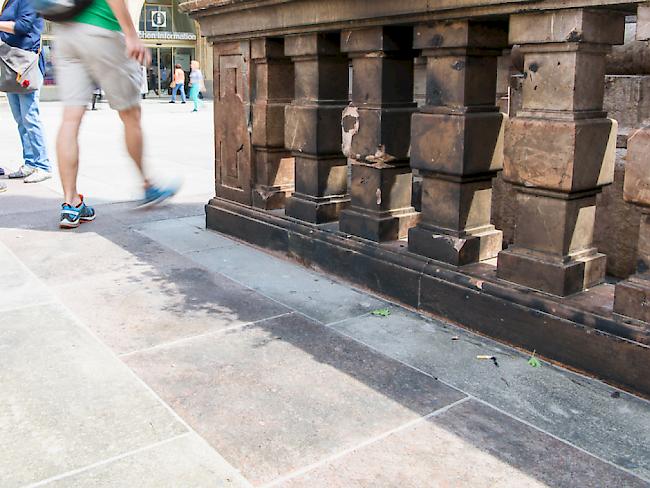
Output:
(67, 402)
(186, 461)
(313, 294)
(19, 286)
(286, 392)
(184, 235)
(468, 445)
(134, 293)
(577, 409)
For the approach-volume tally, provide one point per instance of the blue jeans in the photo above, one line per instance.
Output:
(181, 87)
(24, 107)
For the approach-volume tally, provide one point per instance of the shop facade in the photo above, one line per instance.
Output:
(171, 35)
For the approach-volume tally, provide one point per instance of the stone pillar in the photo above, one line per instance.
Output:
(632, 296)
(376, 133)
(313, 127)
(560, 149)
(273, 86)
(457, 141)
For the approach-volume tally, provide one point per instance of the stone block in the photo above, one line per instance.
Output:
(470, 248)
(458, 144)
(313, 129)
(315, 44)
(504, 207)
(315, 210)
(456, 207)
(567, 156)
(381, 187)
(321, 177)
(616, 217)
(378, 227)
(386, 39)
(632, 298)
(381, 202)
(636, 188)
(461, 33)
(324, 78)
(554, 226)
(267, 48)
(382, 81)
(565, 80)
(459, 80)
(557, 277)
(378, 133)
(632, 58)
(273, 167)
(627, 99)
(268, 124)
(568, 25)
(274, 80)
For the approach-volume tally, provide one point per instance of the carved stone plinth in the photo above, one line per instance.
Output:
(633, 295)
(457, 141)
(273, 85)
(560, 148)
(313, 127)
(376, 129)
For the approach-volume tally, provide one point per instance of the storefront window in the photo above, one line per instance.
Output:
(163, 16)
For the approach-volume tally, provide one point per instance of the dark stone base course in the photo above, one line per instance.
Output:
(598, 345)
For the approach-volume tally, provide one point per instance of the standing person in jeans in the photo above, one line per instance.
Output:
(99, 45)
(179, 83)
(21, 27)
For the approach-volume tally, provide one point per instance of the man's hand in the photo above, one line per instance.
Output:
(137, 50)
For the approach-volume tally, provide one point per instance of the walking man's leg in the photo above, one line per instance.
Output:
(131, 118)
(74, 210)
(182, 88)
(67, 152)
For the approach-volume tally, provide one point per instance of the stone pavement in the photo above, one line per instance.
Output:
(142, 350)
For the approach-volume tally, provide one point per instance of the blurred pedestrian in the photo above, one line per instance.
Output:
(100, 43)
(21, 27)
(178, 83)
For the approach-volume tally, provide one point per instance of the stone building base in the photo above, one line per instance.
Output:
(580, 332)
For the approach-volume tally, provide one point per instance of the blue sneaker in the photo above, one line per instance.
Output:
(71, 216)
(156, 194)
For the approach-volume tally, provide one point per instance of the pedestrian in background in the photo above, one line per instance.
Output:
(21, 27)
(197, 84)
(178, 83)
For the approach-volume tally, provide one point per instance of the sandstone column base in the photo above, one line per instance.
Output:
(557, 277)
(464, 248)
(381, 202)
(315, 210)
(379, 226)
(632, 297)
(320, 194)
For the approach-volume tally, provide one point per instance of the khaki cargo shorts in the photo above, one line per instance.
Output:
(86, 56)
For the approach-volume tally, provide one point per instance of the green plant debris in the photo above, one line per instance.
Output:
(381, 312)
(533, 361)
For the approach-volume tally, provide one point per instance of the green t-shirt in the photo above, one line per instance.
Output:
(99, 14)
